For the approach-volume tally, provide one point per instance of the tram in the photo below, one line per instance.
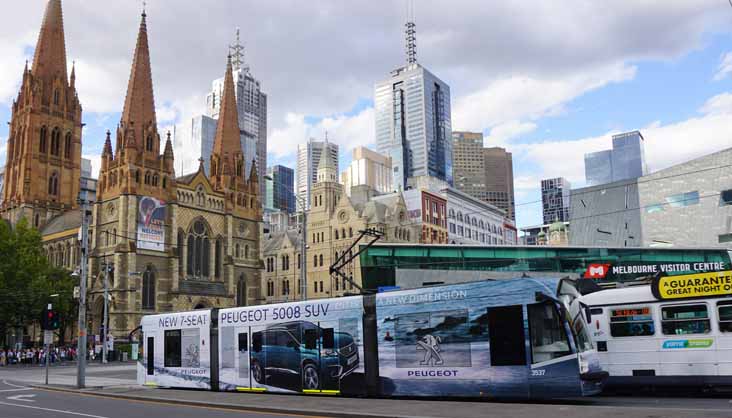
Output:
(516, 338)
(674, 331)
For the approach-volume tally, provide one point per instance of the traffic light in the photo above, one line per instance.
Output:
(50, 320)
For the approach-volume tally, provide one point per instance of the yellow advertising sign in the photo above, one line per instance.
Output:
(697, 285)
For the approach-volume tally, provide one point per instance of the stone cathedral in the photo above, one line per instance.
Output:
(164, 243)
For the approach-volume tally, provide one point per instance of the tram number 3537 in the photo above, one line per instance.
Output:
(538, 372)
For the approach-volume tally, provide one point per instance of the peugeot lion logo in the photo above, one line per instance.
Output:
(431, 345)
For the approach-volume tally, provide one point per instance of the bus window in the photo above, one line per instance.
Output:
(631, 322)
(548, 335)
(725, 316)
(582, 336)
(687, 319)
(172, 348)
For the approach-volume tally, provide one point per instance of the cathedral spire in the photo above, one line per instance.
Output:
(139, 110)
(227, 139)
(49, 59)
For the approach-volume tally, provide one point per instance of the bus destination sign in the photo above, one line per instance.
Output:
(697, 285)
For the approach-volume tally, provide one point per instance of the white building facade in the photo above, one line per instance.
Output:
(368, 168)
(474, 222)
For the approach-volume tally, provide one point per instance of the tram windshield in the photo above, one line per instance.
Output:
(548, 335)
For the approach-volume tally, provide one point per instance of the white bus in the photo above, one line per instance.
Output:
(681, 336)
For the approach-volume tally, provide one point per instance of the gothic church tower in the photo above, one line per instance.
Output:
(43, 164)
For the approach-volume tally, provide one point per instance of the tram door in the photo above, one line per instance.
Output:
(507, 339)
(242, 356)
(258, 367)
(330, 366)
(150, 356)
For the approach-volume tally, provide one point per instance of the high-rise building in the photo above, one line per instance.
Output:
(483, 173)
(251, 104)
(88, 180)
(626, 160)
(468, 164)
(555, 199)
(413, 120)
(43, 165)
(499, 179)
(308, 158)
(368, 168)
(280, 186)
(193, 140)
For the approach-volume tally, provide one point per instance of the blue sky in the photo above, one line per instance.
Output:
(546, 91)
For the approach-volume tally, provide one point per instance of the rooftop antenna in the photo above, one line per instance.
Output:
(237, 54)
(411, 33)
(144, 7)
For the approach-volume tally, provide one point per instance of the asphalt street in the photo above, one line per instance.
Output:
(107, 383)
(19, 401)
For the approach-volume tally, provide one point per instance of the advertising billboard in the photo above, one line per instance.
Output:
(151, 224)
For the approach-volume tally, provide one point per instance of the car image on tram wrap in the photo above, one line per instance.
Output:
(515, 338)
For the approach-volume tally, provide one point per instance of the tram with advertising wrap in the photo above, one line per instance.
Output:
(675, 331)
(515, 338)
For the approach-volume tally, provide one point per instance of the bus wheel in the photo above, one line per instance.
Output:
(310, 378)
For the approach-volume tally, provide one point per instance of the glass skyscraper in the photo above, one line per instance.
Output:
(555, 199)
(413, 124)
(280, 188)
(627, 160)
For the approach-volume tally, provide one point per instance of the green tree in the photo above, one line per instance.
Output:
(26, 278)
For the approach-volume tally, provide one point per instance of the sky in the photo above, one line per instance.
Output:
(549, 81)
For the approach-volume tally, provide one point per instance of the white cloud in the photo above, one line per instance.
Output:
(12, 59)
(665, 144)
(725, 67)
(719, 104)
(524, 97)
(346, 131)
(500, 134)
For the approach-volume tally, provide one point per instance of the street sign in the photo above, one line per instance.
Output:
(47, 337)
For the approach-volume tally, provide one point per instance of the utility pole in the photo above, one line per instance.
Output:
(48, 348)
(81, 340)
(303, 251)
(106, 307)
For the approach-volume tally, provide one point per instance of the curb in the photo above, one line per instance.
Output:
(234, 407)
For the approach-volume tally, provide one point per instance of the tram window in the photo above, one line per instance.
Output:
(243, 343)
(548, 335)
(631, 322)
(506, 335)
(257, 341)
(686, 319)
(311, 339)
(328, 339)
(172, 348)
(725, 316)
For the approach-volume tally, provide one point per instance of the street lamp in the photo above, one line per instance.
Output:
(302, 202)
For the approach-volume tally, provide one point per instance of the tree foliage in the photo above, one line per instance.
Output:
(27, 280)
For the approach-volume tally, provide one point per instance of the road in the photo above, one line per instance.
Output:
(19, 401)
